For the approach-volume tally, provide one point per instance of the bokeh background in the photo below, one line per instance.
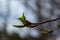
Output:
(35, 11)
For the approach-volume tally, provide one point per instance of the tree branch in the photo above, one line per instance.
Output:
(36, 24)
(27, 23)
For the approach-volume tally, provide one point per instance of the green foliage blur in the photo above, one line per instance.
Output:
(58, 25)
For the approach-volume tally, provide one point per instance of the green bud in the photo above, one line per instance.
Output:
(22, 18)
(58, 25)
(45, 31)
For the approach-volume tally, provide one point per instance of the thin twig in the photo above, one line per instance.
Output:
(36, 24)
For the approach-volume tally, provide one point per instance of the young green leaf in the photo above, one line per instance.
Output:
(19, 26)
(22, 18)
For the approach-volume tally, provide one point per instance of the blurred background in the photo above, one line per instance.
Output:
(35, 11)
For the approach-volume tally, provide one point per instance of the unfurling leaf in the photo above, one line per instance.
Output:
(22, 18)
(25, 22)
(19, 26)
(58, 25)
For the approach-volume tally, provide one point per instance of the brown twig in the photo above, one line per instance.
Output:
(27, 23)
(36, 24)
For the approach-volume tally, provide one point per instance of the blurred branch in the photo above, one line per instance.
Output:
(29, 24)
(36, 24)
